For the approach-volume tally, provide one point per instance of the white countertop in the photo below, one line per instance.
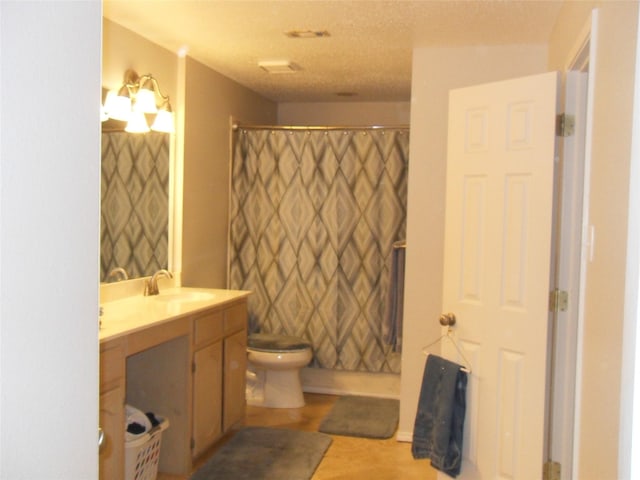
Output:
(132, 314)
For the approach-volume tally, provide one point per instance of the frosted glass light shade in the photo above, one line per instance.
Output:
(145, 101)
(163, 122)
(137, 123)
(117, 107)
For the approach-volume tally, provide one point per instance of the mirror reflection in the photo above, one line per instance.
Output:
(134, 220)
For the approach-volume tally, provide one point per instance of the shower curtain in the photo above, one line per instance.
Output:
(313, 217)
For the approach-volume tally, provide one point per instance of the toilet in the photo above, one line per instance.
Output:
(274, 362)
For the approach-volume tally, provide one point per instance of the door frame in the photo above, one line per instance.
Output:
(629, 452)
(574, 249)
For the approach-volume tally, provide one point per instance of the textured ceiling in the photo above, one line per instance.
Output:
(367, 53)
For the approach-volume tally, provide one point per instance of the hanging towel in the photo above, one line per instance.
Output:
(437, 432)
(392, 324)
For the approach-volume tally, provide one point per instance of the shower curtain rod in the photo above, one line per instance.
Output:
(320, 127)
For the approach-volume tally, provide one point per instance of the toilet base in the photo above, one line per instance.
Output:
(276, 389)
(283, 389)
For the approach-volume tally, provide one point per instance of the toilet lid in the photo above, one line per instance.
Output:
(269, 342)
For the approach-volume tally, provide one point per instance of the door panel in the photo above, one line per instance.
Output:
(235, 368)
(497, 266)
(207, 398)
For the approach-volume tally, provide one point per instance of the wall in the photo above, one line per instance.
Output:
(211, 100)
(598, 445)
(600, 392)
(344, 113)
(123, 49)
(49, 211)
(629, 458)
(203, 102)
(435, 72)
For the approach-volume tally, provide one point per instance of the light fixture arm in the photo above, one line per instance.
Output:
(140, 81)
(131, 82)
(134, 88)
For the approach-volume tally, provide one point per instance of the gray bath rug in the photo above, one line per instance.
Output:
(362, 417)
(260, 453)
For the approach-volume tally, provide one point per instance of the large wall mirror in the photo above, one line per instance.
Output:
(134, 220)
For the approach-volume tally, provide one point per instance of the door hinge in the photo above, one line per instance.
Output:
(551, 471)
(193, 367)
(192, 443)
(558, 300)
(565, 125)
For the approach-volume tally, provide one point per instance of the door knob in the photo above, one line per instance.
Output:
(447, 319)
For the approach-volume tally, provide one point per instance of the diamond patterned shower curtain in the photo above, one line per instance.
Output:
(314, 214)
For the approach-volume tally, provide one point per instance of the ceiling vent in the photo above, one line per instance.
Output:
(307, 33)
(278, 66)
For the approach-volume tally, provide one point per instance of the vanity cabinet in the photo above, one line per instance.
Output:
(111, 418)
(185, 362)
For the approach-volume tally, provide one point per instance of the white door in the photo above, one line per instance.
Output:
(497, 267)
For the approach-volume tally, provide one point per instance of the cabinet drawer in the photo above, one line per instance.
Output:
(235, 318)
(111, 365)
(208, 327)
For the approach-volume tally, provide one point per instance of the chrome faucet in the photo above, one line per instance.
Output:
(151, 285)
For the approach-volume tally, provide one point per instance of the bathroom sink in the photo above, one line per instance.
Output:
(183, 297)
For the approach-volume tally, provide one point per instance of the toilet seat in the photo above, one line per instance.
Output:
(268, 342)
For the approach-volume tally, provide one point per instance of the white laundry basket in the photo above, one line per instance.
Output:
(141, 455)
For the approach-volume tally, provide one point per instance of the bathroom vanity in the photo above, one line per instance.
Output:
(180, 354)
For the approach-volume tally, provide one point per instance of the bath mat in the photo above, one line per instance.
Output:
(367, 417)
(260, 453)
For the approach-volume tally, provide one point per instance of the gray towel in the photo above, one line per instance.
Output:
(439, 423)
(392, 324)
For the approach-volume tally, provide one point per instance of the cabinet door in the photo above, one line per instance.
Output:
(112, 424)
(207, 398)
(235, 370)
(111, 414)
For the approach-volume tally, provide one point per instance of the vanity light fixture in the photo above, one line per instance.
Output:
(136, 99)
